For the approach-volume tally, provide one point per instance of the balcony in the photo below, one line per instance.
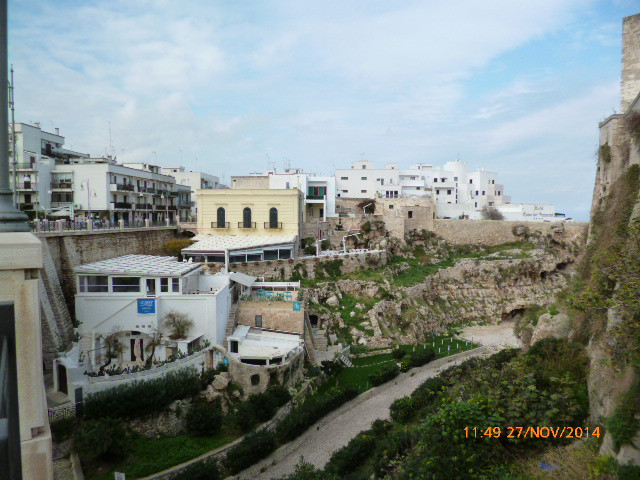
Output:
(121, 187)
(25, 166)
(122, 205)
(146, 190)
(62, 204)
(143, 206)
(27, 186)
(273, 226)
(25, 206)
(316, 197)
(220, 225)
(173, 208)
(247, 225)
(62, 185)
(173, 194)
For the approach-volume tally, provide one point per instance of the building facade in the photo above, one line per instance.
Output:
(319, 192)
(195, 180)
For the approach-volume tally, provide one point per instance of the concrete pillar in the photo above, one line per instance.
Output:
(20, 266)
(147, 222)
(58, 225)
(121, 224)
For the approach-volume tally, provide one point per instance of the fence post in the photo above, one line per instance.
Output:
(121, 224)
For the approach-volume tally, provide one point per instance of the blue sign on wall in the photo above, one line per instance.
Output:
(297, 306)
(146, 305)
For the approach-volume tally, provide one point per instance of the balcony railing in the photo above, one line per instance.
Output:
(220, 225)
(173, 194)
(122, 205)
(62, 185)
(146, 190)
(125, 188)
(143, 206)
(25, 166)
(247, 225)
(29, 186)
(272, 225)
(173, 208)
(316, 197)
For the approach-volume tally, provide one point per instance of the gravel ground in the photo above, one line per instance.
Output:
(335, 430)
(494, 337)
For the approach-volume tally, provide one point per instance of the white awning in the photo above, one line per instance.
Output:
(242, 279)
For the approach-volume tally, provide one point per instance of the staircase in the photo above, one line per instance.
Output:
(344, 359)
(320, 339)
(309, 344)
(232, 322)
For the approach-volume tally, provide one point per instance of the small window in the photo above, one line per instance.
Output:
(255, 379)
(363, 178)
(259, 321)
(390, 207)
(233, 346)
(344, 178)
(164, 285)
(95, 283)
(220, 217)
(175, 285)
(246, 217)
(482, 192)
(273, 217)
(125, 284)
(410, 213)
(455, 179)
(363, 191)
(364, 167)
(435, 180)
(471, 180)
(477, 192)
(448, 192)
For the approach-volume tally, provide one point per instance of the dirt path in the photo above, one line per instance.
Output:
(494, 337)
(335, 430)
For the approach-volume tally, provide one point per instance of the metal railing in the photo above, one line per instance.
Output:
(272, 225)
(219, 224)
(69, 226)
(246, 224)
(58, 185)
(62, 412)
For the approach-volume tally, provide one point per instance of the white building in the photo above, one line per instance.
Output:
(457, 192)
(195, 180)
(319, 192)
(112, 191)
(36, 155)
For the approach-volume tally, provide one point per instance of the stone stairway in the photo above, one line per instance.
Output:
(344, 359)
(56, 320)
(320, 339)
(232, 322)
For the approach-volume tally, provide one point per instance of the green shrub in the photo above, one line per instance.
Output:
(398, 353)
(405, 365)
(352, 455)
(331, 367)
(104, 438)
(629, 472)
(313, 409)
(402, 409)
(244, 417)
(422, 356)
(143, 397)
(204, 470)
(174, 247)
(380, 427)
(203, 419)
(251, 449)
(310, 250)
(260, 407)
(386, 373)
(394, 446)
(427, 392)
(63, 429)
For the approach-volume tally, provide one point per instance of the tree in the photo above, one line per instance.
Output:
(114, 347)
(491, 213)
(157, 340)
(178, 323)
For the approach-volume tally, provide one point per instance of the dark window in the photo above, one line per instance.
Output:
(273, 217)
(410, 214)
(126, 284)
(471, 180)
(270, 254)
(255, 379)
(363, 178)
(175, 284)
(221, 217)
(233, 345)
(448, 192)
(390, 207)
(164, 285)
(246, 217)
(258, 320)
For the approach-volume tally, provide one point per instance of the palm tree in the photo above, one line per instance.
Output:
(157, 340)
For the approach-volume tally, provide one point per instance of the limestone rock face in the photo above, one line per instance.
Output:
(557, 326)
(333, 301)
(220, 382)
(211, 394)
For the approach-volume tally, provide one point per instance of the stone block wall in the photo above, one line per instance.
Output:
(306, 267)
(276, 315)
(630, 85)
(496, 232)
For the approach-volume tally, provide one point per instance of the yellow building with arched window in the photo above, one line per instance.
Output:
(248, 224)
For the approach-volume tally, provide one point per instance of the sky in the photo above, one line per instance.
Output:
(229, 88)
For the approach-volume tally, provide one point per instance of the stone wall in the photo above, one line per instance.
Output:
(630, 85)
(496, 232)
(305, 267)
(276, 315)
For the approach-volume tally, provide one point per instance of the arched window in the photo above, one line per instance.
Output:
(273, 217)
(246, 217)
(221, 217)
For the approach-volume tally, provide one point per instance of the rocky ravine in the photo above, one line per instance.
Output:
(491, 289)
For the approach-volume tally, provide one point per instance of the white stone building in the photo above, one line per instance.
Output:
(37, 153)
(456, 192)
(319, 192)
(195, 180)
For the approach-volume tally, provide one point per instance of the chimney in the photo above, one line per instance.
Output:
(57, 131)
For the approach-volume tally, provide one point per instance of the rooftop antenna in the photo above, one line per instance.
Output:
(111, 151)
(12, 102)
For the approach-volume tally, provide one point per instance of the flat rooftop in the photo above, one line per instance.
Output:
(256, 342)
(150, 265)
(220, 243)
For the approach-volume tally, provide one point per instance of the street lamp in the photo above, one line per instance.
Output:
(89, 193)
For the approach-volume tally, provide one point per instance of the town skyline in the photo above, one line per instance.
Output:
(232, 90)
